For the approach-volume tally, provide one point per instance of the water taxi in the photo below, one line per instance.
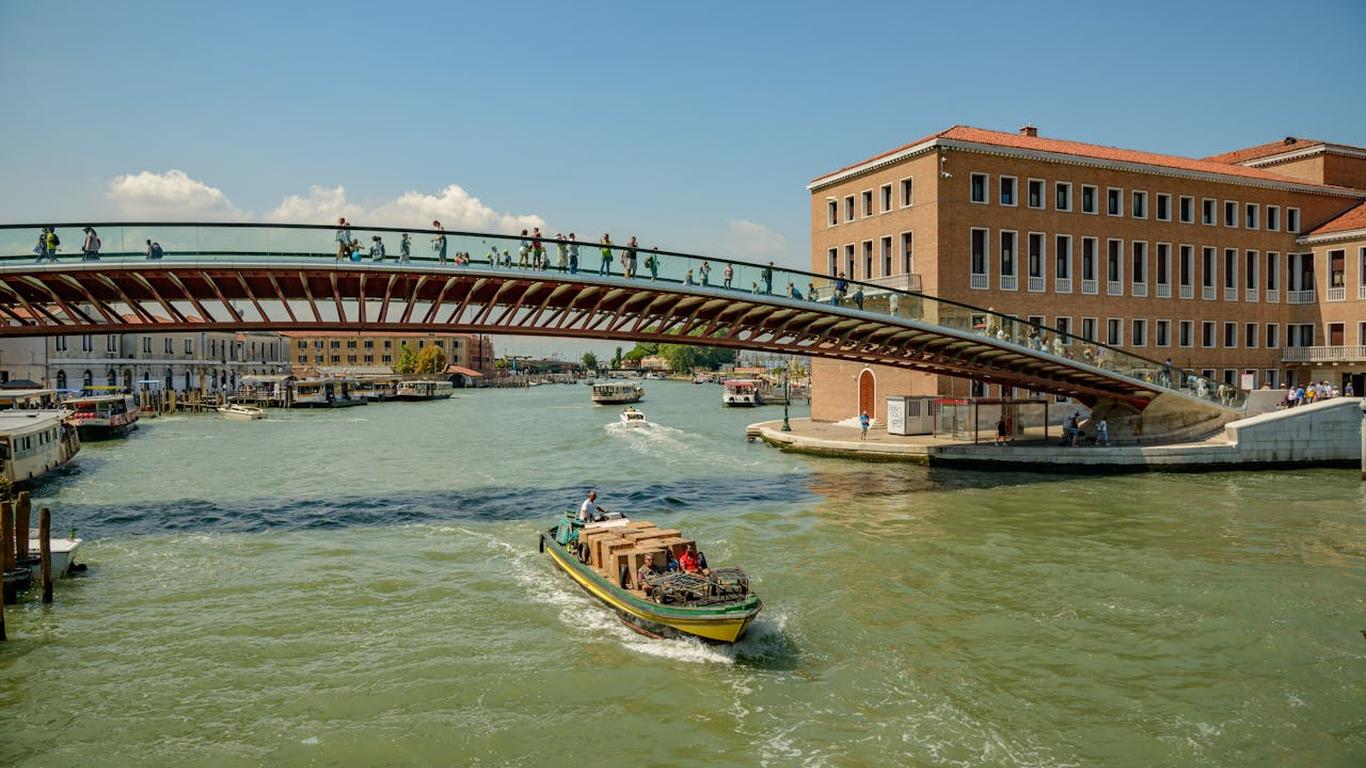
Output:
(377, 389)
(605, 557)
(238, 412)
(34, 443)
(101, 417)
(741, 393)
(425, 389)
(633, 418)
(615, 393)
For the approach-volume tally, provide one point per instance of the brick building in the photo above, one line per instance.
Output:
(325, 349)
(1252, 262)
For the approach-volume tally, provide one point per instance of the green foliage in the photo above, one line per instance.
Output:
(684, 358)
(616, 359)
(430, 360)
(590, 361)
(642, 349)
(407, 360)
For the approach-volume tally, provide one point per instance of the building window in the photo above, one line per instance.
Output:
(61, 379)
(832, 208)
(1007, 190)
(1114, 332)
(1292, 220)
(369, 359)
(351, 359)
(1088, 328)
(88, 379)
(146, 344)
(907, 253)
(1113, 271)
(1207, 212)
(1164, 206)
(1207, 268)
(1250, 335)
(386, 358)
(886, 192)
(979, 187)
(1231, 268)
(1251, 212)
(1139, 262)
(1337, 269)
(1007, 255)
(867, 263)
(1230, 335)
(1185, 330)
(849, 208)
(168, 346)
(336, 358)
(1273, 260)
(980, 279)
(1036, 257)
(1163, 333)
(1230, 213)
(1114, 202)
(1062, 253)
(59, 343)
(907, 193)
(867, 202)
(1273, 217)
(351, 344)
(1088, 198)
(1088, 260)
(1138, 333)
(1062, 195)
(886, 245)
(336, 344)
(833, 257)
(1164, 265)
(1139, 204)
(1187, 268)
(1035, 193)
(1187, 211)
(849, 261)
(1207, 333)
(369, 344)
(1250, 270)
(1271, 329)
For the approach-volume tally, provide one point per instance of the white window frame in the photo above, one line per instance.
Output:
(1270, 334)
(1252, 281)
(907, 254)
(906, 185)
(1139, 288)
(1250, 341)
(1181, 202)
(1114, 340)
(1181, 251)
(1252, 216)
(986, 187)
(866, 197)
(1014, 191)
(1097, 265)
(1292, 220)
(1043, 194)
(1138, 323)
(1114, 287)
(1063, 284)
(1120, 190)
(1155, 258)
(1094, 335)
(1190, 337)
(1224, 337)
(1095, 200)
(1212, 205)
(1273, 218)
(1158, 197)
(1014, 259)
(1236, 218)
(834, 210)
(1157, 337)
(850, 208)
(1043, 261)
(1213, 334)
(1136, 196)
(885, 198)
(1063, 186)
(985, 282)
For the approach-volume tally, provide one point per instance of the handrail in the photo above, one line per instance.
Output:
(833, 290)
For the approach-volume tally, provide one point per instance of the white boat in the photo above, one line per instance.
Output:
(741, 393)
(614, 393)
(63, 554)
(325, 393)
(633, 418)
(34, 443)
(100, 417)
(425, 389)
(238, 412)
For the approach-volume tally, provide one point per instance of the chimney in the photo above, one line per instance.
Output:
(1030, 131)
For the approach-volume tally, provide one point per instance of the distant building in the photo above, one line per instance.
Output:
(353, 350)
(655, 363)
(1250, 265)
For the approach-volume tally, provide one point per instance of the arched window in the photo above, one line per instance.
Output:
(88, 378)
(61, 379)
(112, 379)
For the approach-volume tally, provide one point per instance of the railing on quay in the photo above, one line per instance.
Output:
(272, 244)
(1323, 354)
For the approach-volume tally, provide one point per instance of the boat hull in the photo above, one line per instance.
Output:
(714, 625)
(94, 432)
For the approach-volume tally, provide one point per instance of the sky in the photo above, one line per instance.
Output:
(695, 126)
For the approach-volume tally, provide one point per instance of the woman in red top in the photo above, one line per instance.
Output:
(689, 562)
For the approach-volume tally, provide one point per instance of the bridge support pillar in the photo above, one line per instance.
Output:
(1166, 419)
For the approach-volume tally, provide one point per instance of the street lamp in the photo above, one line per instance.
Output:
(787, 399)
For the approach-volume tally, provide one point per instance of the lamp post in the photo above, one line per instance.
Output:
(787, 400)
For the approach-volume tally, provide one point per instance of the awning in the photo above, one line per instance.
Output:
(463, 371)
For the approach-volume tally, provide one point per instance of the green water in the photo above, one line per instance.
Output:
(361, 587)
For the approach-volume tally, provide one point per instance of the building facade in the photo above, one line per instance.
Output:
(1248, 266)
(328, 350)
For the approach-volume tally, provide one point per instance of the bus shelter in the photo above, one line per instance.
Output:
(971, 418)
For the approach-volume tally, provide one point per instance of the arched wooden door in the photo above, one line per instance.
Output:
(865, 392)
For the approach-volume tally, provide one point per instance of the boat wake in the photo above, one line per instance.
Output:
(667, 443)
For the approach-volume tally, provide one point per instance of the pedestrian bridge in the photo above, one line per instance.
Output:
(276, 277)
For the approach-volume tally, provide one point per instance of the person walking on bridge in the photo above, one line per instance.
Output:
(628, 258)
(728, 275)
(768, 278)
(439, 242)
(343, 238)
(90, 250)
(704, 272)
(405, 249)
(563, 250)
(573, 254)
(606, 268)
(40, 249)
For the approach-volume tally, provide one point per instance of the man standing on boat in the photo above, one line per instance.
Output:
(588, 512)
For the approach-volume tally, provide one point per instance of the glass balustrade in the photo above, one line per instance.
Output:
(211, 244)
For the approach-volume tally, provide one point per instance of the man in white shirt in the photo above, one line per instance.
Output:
(588, 512)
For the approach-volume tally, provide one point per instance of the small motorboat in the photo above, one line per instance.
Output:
(63, 552)
(632, 417)
(605, 558)
(239, 412)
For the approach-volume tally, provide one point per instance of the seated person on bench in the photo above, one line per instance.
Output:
(647, 568)
(693, 561)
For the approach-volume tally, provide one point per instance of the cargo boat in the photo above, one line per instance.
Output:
(715, 605)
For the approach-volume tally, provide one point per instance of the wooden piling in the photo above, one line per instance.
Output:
(23, 509)
(7, 536)
(45, 552)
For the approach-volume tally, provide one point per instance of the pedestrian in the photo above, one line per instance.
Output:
(1102, 432)
(537, 248)
(523, 255)
(811, 294)
(573, 254)
(40, 248)
(90, 250)
(704, 272)
(1001, 431)
(154, 251)
(439, 242)
(376, 249)
(767, 276)
(727, 275)
(687, 280)
(343, 238)
(628, 257)
(1348, 390)
(793, 292)
(606, 267)
(53, 243)
(858, 299)
(355, 252)
(405, 248)
(652, 264)
(563, 250)
(863, 422)
(1167, 373)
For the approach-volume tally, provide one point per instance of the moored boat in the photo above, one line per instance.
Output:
(325, 393)
(605, 558)
(741, 393)
(617, 393)
(425, 389)
(238, 412)
(101, 417)
(62, 549)
(34, 443)
(632, 417)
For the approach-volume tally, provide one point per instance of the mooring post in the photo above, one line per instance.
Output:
(1363, 440)
(4, 526)
(45, 552)
(7, 536)
(23, 509)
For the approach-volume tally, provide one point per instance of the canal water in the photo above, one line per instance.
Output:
(361, 587)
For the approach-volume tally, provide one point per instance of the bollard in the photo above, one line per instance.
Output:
(45, 552)
(7, 536)
(22, 510)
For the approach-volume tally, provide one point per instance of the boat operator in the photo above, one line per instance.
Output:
(589, 512)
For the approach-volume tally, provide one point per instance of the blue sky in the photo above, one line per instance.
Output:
(692, 125)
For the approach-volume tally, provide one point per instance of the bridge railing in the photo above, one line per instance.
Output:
(207, 244)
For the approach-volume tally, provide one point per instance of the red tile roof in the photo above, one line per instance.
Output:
(1354, 218)
(1288, 144)
(1081, 149)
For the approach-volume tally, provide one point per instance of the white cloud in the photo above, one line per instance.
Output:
(454, 208)
(170, 195)
(746, 238)
(323, 205)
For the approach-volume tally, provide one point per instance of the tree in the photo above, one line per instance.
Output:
(430, 360)
(407, 360)
(590, 361)
(616, 359)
